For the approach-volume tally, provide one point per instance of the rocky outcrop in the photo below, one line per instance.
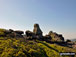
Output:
(61, 37)
(31, 36)
(56, 37)
(12, 33)
(67, 41)
(51, 37)
(36, 34)
(37, 30)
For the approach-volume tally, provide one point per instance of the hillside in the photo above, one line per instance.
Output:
(33, 44)
(12, 47)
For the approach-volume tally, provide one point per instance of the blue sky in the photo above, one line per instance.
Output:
(56, 15)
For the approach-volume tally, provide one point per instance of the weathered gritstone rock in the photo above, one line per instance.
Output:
(56, 37)
(11, 30)
(37, 30)
(12, 33)
(29, 33)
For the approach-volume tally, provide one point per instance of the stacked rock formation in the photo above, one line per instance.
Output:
(37, 30)
(36, 34)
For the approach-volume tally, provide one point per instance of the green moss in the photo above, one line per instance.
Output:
(2, 32)
(12, 47)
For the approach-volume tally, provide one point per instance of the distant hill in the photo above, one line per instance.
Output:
(73, 39)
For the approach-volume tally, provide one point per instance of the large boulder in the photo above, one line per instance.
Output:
(68, 41)
(14, 34)
(29, 33)
(18, 34)
(37, 30)
(11, 30)
(11, 33)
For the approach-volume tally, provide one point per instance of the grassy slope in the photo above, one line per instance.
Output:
(12, 47)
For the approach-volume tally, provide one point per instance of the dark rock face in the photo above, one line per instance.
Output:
(37, 30)
(12, 33)
(29, 33)
(19, 32)
(61, 37)
(7, 32)
(47, 38)
(11, 30)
